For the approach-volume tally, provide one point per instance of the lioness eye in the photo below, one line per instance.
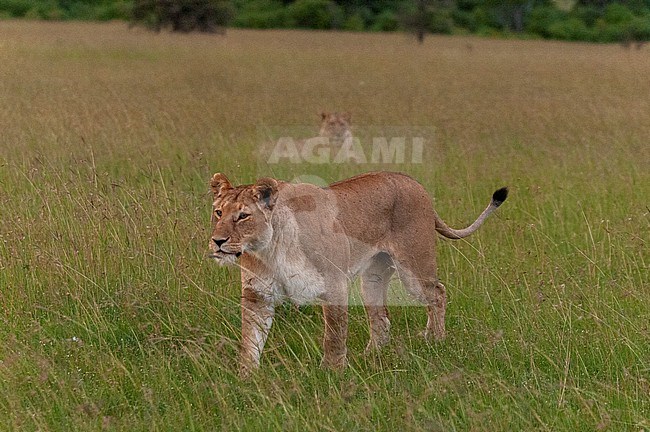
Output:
(218, 212)
(243, 216)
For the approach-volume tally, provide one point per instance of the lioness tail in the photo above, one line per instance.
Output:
(498, 197)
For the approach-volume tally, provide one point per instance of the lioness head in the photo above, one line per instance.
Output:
(241, 217)
(335, 126)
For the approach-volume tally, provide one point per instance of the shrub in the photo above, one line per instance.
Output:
(315, 14)
(441, 22)
(484, 20)
(586, 14)
(16, 8)
(638, 7)
(261, 14)
(46, 10)
(542, 18)
(386, 21)
(354, 22)
(78, 10)
(604, 32)
(616, 13)
(112, 11)
(261, 19)
(182, 15)
(569, 29)
(489, 32)
(464, 19)
(639, 28)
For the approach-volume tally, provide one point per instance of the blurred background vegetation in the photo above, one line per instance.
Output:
(623, 21)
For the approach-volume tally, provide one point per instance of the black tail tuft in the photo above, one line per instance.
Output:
(500, 196)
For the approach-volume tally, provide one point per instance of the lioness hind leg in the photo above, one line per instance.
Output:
(436, 308)
(433, 293)
(414, 253)
(417, 271)
(374, 289)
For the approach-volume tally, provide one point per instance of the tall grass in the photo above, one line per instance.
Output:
(113, 318)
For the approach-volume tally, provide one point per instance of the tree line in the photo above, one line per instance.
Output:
(623, 21)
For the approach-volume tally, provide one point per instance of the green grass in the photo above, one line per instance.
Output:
(113, 319)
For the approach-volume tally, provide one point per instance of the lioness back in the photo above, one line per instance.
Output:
(373, 204)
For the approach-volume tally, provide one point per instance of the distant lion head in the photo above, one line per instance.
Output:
(241, 217)
(336, 126)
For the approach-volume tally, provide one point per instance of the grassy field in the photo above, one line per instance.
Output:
(112, 317)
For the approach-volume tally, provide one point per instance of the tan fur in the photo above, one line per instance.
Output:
(305, 243)
(336, 126)
(335, 131)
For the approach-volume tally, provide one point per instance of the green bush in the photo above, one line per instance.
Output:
(464, 19)
(542, 18)
(616, 21)
(261, 14)
(604, 32)
(587, 14)
(616, 13)
(367, 14)
(46, 10)
(113, 11)
(315, 14)
(354, 22)
(78, 10)
(485, 19)
(569, 29)
(639, 28)
(386, 21)
(261, 19)
(33, 14)
(441, 22)
(638, 7)
(182, 15)
(98, 10)
(489, 32)
(16, 8)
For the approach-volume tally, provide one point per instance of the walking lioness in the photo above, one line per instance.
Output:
(305, 243)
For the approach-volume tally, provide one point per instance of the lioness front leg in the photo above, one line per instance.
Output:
(335, 315)
(335, 337)
(257, 317)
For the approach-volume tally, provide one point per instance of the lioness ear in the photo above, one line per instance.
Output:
(323, 115)
(266, 190)
(219, 183)
(347, 116)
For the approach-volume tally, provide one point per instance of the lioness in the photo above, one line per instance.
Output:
(336, 127)
(305, 243)
(335, 131)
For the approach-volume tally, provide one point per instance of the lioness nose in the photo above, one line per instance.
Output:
(219, 242)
